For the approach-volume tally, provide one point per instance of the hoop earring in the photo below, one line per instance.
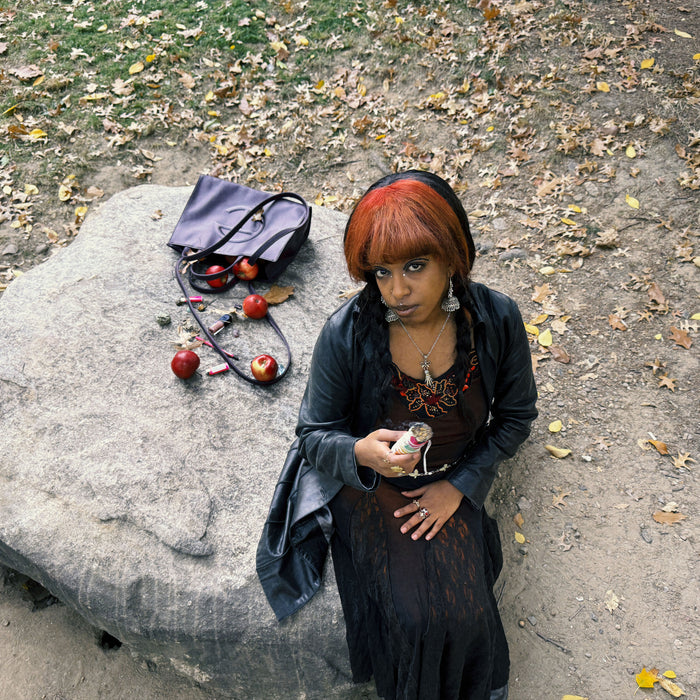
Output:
(450, 303)
(390, 316)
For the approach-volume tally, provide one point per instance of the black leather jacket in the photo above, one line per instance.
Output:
(338, 409)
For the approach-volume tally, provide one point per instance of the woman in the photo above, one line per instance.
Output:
(414, 552)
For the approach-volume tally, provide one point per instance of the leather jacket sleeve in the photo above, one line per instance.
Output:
(504, 356)
(327, 427)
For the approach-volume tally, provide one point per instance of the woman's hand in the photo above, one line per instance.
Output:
(440, 499)
(373, 452)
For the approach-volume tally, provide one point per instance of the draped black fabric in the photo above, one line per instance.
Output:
(420, 615)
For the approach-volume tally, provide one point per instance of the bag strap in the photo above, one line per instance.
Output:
(228, 357)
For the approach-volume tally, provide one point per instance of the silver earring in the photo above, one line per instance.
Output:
(450, 303)
(390, 316)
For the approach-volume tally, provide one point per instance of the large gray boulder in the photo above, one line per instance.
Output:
(138, 498)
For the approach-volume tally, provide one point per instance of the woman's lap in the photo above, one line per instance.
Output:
(420, 615)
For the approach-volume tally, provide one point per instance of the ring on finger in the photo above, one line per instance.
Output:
(416, 503)
(424, 513)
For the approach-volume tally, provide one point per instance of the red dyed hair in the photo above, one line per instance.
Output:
(404, 220)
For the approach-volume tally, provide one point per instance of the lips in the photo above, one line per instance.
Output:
(405, 310)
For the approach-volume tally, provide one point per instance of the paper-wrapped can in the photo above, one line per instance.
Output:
(413, 439)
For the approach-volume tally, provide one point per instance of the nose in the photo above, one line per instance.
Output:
(399, 289)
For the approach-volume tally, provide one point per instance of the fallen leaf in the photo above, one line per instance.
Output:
(645, 679)
(612, 602)
(668, 382)
(680, 337)
(602, 86)
(559, 354)
(669, 686)
(668, 518)
(630, 152)
(655, 294)
(136, 68)
(661, 447)
(64, 193)
(545, 338)
(558, 452)
(680, 33)
(277, 294)
(634, 203)
(617, 323)
(519, 537)
(555, 426)
(647, 63)
(541, 293)
(573, 697)
(558, 499)
(518, 519)
(532, 330)
(681, 461)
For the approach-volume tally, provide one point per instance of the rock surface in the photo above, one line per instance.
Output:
(138, 498)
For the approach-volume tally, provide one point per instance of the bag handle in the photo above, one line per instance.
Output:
(235, 229)
(226, 356)
(195, 277)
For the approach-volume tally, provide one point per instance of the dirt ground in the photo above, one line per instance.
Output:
(585, 206)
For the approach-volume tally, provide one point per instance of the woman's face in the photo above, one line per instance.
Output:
(414, 288)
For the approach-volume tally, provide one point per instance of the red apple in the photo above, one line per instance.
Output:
(185, 363)
(244, 270)
(264, 368)
(254, 306)
(218, 281)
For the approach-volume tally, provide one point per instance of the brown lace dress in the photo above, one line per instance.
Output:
(421, 615)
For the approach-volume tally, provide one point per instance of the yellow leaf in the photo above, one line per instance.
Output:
(81, 211)
(532, 330)
(573, 207)
(695, 317)
(539, 319)
(669, 674)
(568, 222)
(634, 203)
(519, 538)
(696, 57)
(685, 35)
(37, 134)
(209, 96)
(490, 128)
(645, 679)
(39, 80)
(64, 193)
(136, 68)
(301, 40)
(30, 189)
(546, 270)
(558, 452)
(647, 63)
(150, 58)
(573, 697)
(630, 152)
(545, 338)
(670, 687)
(555, 426)
(602, 86)
(102, 28)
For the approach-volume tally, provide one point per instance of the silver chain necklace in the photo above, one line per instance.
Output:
(425, 355)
